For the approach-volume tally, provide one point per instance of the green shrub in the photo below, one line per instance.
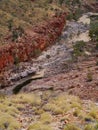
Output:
(77, 14)
(16, 33)
(79, 48)
(70, 16)
(89, 76)
(61, 2)
(49, 1)
(93, 33)
(96, 47)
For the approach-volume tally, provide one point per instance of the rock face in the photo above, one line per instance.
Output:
(92, 6)
(33, 42)
(96, 6)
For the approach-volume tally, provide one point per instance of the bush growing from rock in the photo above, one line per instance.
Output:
(93, 33)
(89, 76)
(78, 48)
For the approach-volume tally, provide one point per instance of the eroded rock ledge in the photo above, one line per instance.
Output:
(32, 42)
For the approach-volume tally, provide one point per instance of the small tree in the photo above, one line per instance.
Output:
(61, 2)
(10, 24)
(16, 33)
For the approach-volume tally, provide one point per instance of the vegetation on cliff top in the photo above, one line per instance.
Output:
(25, 14)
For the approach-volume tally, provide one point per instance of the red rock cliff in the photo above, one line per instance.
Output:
(34, 41)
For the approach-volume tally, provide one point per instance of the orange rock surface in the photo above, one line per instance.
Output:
(37, 40)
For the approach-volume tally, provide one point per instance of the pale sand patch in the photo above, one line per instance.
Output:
(84, 19)
(82, 37)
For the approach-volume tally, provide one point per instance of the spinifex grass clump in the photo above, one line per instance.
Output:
(61, 104)
(71, 127)
(39, 126)
(47, 110)
(46, 117)
(91, 127)
(8, 122)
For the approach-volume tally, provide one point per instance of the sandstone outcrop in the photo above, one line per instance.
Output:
(32, 43)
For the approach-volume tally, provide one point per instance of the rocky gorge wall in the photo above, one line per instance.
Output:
(33, 42)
